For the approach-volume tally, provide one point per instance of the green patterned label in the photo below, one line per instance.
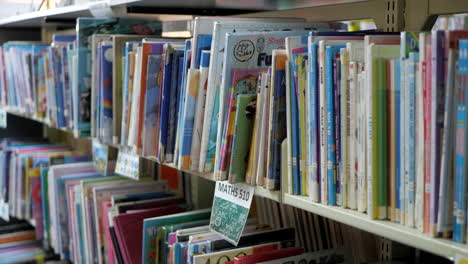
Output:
(231, 205)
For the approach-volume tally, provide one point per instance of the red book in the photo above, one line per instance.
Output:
(269, 255)
(129, 230)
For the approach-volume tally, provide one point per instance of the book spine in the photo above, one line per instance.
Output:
(445, 213)
(459, 228)
(353, 144)
(370, 79)
(165, 103)
(410, 187)
(295, 131)
(438, 100)
(419, 143)
(197, 133)
(301, 87)
(380, 138)
(323, 125)
(427, 129)
(361, 128)
(398, 136)
(314, 150)
(331, 158)
(345, 127)
(391, 137)
(337, 122)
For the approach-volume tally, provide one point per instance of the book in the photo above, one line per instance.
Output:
(241, 137)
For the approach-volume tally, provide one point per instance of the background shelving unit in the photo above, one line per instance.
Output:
(388, 15)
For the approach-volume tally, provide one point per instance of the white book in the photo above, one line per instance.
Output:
(263, 127)
(323, 124)
(199, 112)
(133, 129)
(353, 150)
(345, 165)
(419, 144)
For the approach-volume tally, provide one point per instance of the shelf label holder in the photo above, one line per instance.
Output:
(231, 206)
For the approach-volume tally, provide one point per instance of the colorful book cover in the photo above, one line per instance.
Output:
(148, 47)
(242, 136)
(86, 27)
(106, 93)
(215, 73)
(199, 111)
(152, 93)
(119, 73)
(129, 65)
(277, 133)
(459, 225)
(193, 82)
(151, 227)
(244, 82)
(245, 51)
(446, 193)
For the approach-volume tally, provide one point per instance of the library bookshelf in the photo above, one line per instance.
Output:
(388, 15)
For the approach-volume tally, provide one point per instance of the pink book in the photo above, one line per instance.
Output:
(108, 246)
(426, 72)
(36, 200)
(129, 230)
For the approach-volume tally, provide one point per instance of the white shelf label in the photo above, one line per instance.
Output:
(128, 164)
(231, 206)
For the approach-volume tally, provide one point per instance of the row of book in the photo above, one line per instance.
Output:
(153, 94)
(18, 243)
(86, 217)
(377, 123)
(53, 81)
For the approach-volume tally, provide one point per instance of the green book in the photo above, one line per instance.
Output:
(244, 121)
(164, 231)
(151, 231)
(382, 165)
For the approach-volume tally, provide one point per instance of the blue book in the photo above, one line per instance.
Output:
(203, 43)
(57, 53)
(295, 146)
(314, 146)
(106, 94)
(331, 52)
(397, 134)
(459, 225)
(63, 38)
(165, 102)
(177, 55)
(185, 66)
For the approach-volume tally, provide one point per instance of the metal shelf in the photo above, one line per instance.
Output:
(387, 229)
(123, 8)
